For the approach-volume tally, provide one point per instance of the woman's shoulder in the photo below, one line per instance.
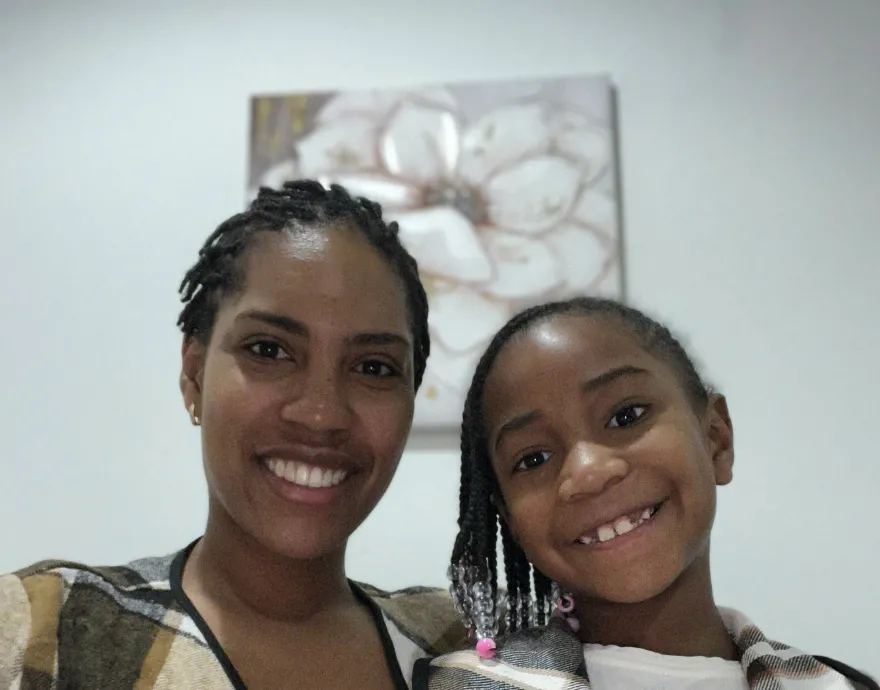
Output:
(425, 615)
(53, 578)
(45, 593)
(56, 610)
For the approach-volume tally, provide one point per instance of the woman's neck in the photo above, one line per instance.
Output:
(682, 621)
(239, 573)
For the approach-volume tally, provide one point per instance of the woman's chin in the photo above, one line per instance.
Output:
(299, 542)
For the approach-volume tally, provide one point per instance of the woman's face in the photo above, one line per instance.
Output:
(305, 390)
(607, 473)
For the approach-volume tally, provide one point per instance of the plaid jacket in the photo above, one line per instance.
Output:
(552, 658)
(66, 625)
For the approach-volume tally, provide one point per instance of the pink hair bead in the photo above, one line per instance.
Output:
(486, 648)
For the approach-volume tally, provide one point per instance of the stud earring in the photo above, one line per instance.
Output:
(193, 417)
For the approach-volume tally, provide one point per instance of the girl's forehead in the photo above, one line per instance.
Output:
(561, 342)
(553, 360)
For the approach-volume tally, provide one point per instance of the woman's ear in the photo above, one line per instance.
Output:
(192, 374)
(720, 435)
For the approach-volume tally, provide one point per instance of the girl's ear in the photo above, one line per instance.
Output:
(720, 435)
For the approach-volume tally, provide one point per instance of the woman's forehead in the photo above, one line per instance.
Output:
(323, 275)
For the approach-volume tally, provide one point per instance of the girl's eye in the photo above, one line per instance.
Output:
(376, 369)
(268, 349)
(532, 461)
(627, 416)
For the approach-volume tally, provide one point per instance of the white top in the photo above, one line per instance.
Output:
(629, 668)
(407, 651)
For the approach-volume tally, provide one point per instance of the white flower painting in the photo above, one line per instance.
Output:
(505, 194)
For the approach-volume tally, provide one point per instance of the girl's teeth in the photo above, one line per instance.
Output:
(606, 533)
(623, 525)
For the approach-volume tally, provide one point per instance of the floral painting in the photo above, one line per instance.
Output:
(504, 193)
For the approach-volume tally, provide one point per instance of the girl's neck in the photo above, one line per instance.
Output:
(682, 621)
(232, 568)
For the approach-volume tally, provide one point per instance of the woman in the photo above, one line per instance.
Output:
(305, 338)
(589, 435)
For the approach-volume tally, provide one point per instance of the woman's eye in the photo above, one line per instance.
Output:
(532, 461)
(268, 349)
(627, 416)
(376, 369)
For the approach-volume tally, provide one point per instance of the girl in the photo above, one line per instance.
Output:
(305, 337)
(590, 437)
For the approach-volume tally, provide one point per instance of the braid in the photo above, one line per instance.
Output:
(297, 204)
(524, 577)
(543, 588)
(512, 553)
(476, 541)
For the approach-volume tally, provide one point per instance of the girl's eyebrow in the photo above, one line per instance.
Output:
(590, 385)
(517, 423)
(612, 375)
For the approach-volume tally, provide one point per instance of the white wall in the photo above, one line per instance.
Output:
(750, 151)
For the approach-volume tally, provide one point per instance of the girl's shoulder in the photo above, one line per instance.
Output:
(523, 659)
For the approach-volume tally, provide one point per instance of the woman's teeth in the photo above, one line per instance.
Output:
(622, 525)
(301, 474)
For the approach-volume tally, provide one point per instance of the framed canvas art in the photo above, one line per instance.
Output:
(505, 193)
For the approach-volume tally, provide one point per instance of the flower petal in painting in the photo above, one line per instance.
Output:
(455, 369)
(611, 284)
(374, 104)
(444, 243)
(463, 319)
(524, 267)
(437, 405)
(339, 146)
(501, 138)
(582, 139)
(533, 196)
(390, 193)
(435, 96)
(420, 143)
(280, 173)
(597, 210)
(377, 104)
(582, 255)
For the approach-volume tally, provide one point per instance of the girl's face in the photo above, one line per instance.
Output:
(305, 391)
(607, 474)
